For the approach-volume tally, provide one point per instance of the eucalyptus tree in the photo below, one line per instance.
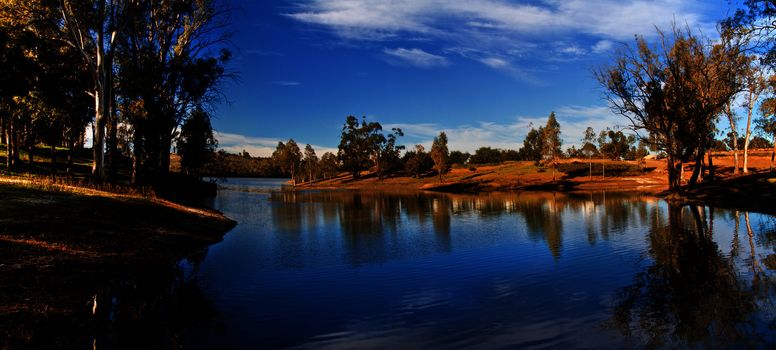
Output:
(440, 155)
(173, 59)
(196, 143)
(310, 162)
(94, 29)
(674, 91)
(588, 147)
(551, 143)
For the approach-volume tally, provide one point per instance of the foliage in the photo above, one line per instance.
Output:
(532, 145)
(485, 155)
(417, 162)
(440, 155)
(196, 143)
(674, 92)
(458, 157)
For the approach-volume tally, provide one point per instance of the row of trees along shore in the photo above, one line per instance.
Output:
(143, 74)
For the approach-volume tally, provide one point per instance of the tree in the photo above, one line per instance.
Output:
(588, 148)
(755, 84)
(766, 124)
(674, 92)
(353, 149)
(310, 162)
(440, 155)
(363, 145)
(168, 65)
(532, 145)
(288, 156)
(458, 157)
(328, 165)
(388, 160)
(485, 155)
(417, 162)
(551, 143)
(94, 28)
(196, 143)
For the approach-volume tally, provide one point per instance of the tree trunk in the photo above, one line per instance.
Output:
(673, 181)
(31, 145)
(164, 161)
(590, 161)
(734, 132)
(9, 144)
(112, 143)
(137, 153)
(70, 154)
(603, 165)
(53, 160)
(748, 134)
(711, 166)
(14, 143)
(773, 153)
(98, 141)
(698, 166)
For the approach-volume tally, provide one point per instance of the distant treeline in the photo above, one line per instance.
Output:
(224, 164)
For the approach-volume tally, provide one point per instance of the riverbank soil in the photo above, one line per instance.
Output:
(59, 245)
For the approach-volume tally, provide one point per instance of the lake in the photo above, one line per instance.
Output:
(363, 269)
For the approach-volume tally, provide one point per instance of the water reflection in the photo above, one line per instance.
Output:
(365, 269)
(693, 294)
(369, 221)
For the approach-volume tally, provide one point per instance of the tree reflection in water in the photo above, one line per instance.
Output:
(692, 294)
(155, 309)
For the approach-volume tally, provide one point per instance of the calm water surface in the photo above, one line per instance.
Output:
(346, 269)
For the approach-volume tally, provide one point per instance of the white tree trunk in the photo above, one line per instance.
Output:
(748, 132)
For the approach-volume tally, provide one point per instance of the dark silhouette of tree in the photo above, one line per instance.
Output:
(328, 165)
(196, 143)
(674, 92)
(288, 157)
(458, 157)
(310, 162)
(485, 155)
(532, 145)
(417, 162)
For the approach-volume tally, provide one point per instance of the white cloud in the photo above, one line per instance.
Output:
(608, 19)
(286, 83)
(258, 146)
(573, 122)
(498, 32)
(417, 57)
(602, 46)
(494, 62)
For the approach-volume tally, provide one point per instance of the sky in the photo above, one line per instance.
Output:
(482, 71)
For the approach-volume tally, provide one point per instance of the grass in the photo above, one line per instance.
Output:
(617, 169)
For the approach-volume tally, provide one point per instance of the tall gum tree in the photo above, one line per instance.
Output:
(674, 91)
(93, 28)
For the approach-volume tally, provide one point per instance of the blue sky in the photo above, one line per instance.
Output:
(480, 70)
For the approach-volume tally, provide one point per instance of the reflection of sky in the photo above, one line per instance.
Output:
(292, 274)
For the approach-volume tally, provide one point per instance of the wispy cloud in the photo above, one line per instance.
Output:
(602, 46)
(501, 31)
(416, 57)
(258, 146)
(285, 83)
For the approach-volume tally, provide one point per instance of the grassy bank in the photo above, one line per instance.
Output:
(510, 176)
(60, 244)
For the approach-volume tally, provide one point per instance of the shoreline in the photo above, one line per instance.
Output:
(755, 191)
(79, 242)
